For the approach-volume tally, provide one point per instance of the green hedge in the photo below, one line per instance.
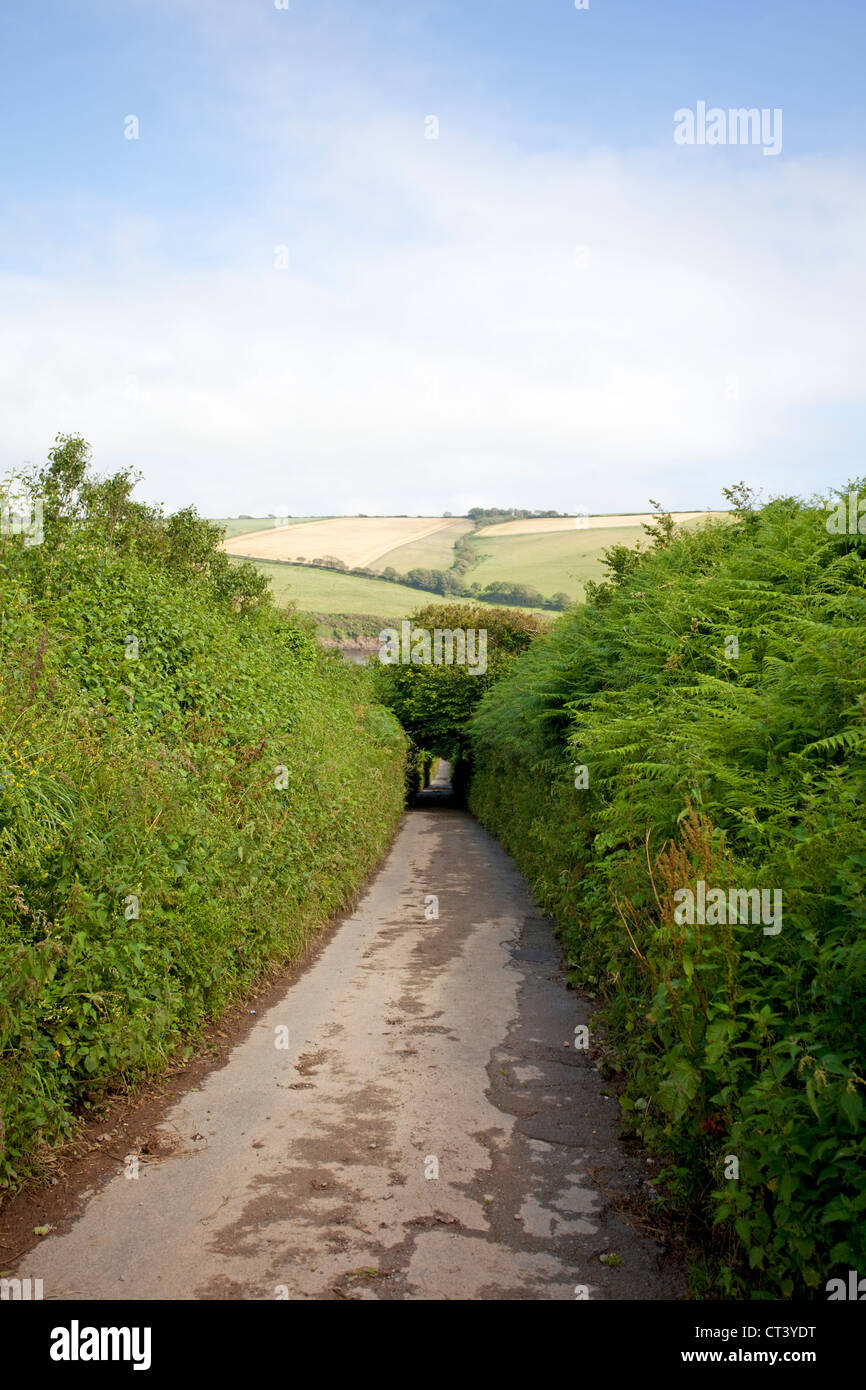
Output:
(744, 770)
(235, 780)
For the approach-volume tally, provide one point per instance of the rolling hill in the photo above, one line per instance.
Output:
(552, 554)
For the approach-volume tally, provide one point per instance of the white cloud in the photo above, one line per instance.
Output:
(434, 340)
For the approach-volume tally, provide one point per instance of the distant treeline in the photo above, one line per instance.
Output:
(474, 514)
(449, 583)
(494, 514)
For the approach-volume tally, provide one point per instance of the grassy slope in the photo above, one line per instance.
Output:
(594, 522)
(560, 560)
(555, 561)
(552, 562)
(329, 591)
(431, 552)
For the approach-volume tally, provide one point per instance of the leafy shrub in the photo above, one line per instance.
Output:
(742, 764)
(189, 787)
(434, 702)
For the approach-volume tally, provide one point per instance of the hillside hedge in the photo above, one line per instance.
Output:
(703, 717)
(189, 788)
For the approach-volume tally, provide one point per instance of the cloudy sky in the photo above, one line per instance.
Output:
(286, 296)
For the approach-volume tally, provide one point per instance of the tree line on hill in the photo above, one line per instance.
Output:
(492, 515)
(450, 584)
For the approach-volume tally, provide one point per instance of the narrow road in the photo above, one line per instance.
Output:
(429, 1131)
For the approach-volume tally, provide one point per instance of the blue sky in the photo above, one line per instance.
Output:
(551, 304)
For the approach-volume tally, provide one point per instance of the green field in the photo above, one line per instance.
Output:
(329, 591)
(323, 591)
(557, 561)
(434, 552)
(553, 561)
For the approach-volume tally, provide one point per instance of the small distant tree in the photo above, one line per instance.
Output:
(503, 591)
(741, 498)
(421, 579)
(60, 482)
(663, 530)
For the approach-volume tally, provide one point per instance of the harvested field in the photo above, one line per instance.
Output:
(582, 523)
(435, 551)
(357, 541)
(245, 525)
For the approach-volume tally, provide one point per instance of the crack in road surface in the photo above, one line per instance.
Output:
(425, 1129)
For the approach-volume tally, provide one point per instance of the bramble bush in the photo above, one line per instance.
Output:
(171, 746)
(742, 764)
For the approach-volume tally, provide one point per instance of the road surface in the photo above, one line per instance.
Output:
(411, 1120)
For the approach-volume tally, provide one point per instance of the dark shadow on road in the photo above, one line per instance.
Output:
(439, 793)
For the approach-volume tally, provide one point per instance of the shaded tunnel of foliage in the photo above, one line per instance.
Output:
(434, 702)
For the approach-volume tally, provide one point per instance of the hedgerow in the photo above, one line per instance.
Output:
(434, 700)
(702, 716)
(189, 788)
